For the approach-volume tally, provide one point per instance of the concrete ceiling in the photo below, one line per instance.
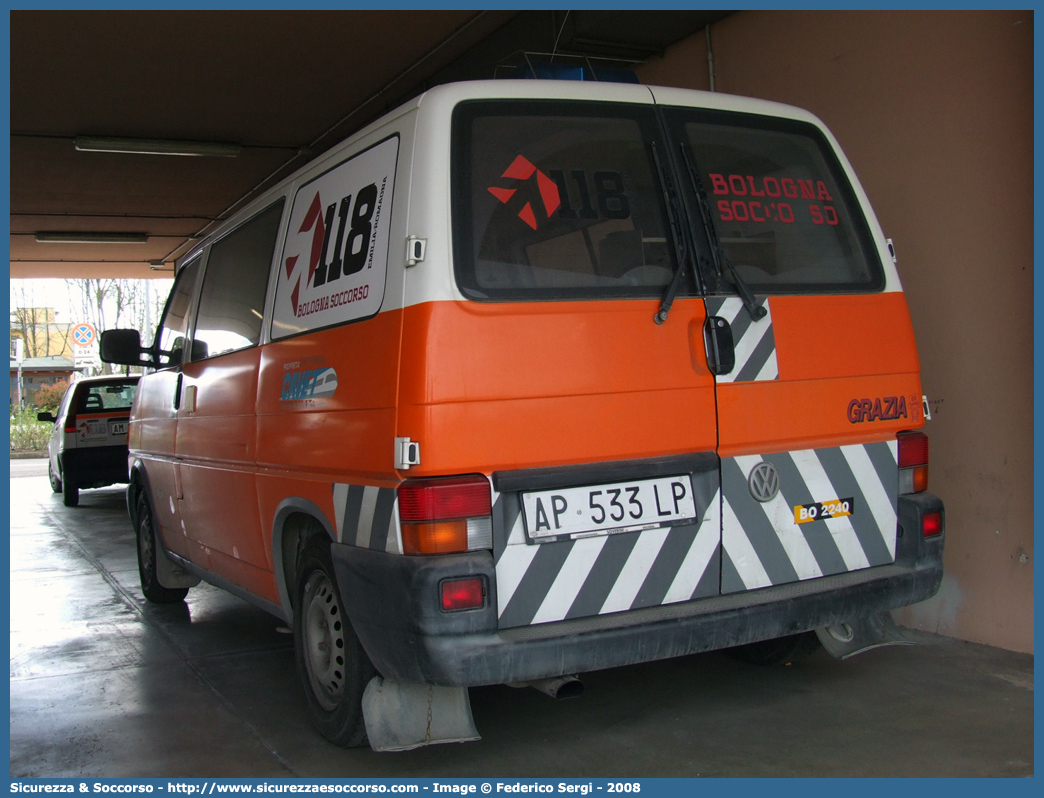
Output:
(282, 85)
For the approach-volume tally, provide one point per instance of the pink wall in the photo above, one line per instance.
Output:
(935, 112)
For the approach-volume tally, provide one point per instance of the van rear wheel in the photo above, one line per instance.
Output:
(333, 666)
(148, 551)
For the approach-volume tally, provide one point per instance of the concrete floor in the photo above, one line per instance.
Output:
(105, 685)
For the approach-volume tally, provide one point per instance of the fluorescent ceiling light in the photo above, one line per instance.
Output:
(157, 147)
(91, 238)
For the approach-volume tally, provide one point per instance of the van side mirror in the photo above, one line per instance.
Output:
(122, 347)
(46, 417)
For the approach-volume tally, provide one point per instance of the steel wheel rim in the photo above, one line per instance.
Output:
(323, 638)
(145, 546)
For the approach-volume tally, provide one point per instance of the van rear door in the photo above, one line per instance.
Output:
(818, 370)
(587, 412)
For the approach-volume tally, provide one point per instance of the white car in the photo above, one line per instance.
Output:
(88, 445)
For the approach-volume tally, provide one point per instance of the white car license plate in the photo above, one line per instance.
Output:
(118, 428)
(607, 509)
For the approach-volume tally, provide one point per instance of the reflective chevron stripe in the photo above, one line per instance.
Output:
(367, 516)
(754, 341)
(539, 583)
(762, 544)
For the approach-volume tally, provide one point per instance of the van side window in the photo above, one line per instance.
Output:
(172, 329)
(232, 300)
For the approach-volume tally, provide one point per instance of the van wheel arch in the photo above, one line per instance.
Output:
(296, 522)
(138, 484)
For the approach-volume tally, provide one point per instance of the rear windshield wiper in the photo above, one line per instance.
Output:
(681, 248)
(755, 310)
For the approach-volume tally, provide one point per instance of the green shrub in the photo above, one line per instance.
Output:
(48, 397)
(28, 434)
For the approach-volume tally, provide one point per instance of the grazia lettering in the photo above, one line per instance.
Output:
(887, 408)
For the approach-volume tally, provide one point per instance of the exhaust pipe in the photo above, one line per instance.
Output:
(559, 687)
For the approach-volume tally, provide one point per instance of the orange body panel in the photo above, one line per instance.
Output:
(151, 435)
(782, 416)
(352, 431)
(831, 350)
(828, 337)
(216, 457)
(502, 386)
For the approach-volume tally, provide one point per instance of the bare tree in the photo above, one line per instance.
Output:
(34, 322)
(110, 303)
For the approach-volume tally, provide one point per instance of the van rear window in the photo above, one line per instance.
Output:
(782, 208)
(557, 201)
(107, 396)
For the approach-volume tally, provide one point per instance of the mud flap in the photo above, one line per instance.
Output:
(401, 717)
(845, 640)
(170, 574)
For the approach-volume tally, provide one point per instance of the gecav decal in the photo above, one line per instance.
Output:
(522, 169)
(314, 383)
(336, 253)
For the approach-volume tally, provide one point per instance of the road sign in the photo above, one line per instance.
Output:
(86, 358)
(83, 335)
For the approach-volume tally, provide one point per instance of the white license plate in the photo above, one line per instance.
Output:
(118, 428)
(608, 509)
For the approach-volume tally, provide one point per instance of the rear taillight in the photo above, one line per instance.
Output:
(931, 524)
(445, 514)
(70, 424)
(913, 462)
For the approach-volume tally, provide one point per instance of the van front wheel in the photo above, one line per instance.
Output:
(333, 666)
(148, 551)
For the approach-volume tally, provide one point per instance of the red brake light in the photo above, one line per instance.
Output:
(462, 594)
(445, 514)
(442, 499)
(931, 524)
(913, 449)
(913, 462)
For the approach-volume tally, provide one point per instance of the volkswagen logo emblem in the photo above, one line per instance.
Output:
(763, 482)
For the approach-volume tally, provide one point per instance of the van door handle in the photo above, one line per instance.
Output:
(177, 391)
(721, 351)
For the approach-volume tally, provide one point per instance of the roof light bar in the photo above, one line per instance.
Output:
(205, 149)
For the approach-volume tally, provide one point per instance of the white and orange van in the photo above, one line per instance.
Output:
(531, 378)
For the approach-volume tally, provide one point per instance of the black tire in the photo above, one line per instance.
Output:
(779, 651)
(70, 494)
(147, 552)
(332, 664)
(56, 482)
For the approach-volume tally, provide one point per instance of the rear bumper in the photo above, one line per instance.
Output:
(392, 603)
(95, 467)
